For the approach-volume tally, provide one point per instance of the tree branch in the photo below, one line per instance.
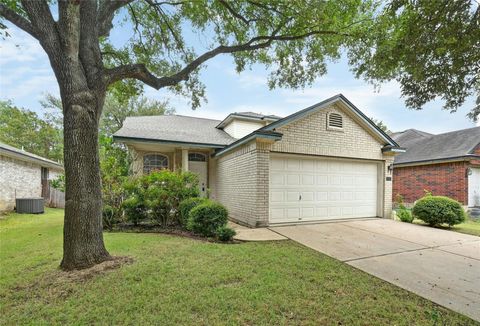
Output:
(106, 13)
(139, 71)
(17, 20)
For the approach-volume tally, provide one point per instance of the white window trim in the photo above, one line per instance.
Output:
(154, 153)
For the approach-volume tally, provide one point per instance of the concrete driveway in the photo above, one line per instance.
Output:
(442, 266)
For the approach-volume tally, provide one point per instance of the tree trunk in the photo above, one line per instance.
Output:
(83, 232)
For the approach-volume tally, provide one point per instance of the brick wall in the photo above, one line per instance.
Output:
(238, 185)
(446, 179)
(18, 178)
(309, 135)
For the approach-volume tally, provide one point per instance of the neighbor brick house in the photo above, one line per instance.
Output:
(446, 164)
(24, 175)
(328, 161)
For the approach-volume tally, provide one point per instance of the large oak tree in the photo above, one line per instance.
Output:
(430, 47)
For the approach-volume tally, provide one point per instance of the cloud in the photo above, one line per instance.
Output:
(25, 70)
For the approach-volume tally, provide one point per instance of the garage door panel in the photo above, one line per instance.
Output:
(315, 189)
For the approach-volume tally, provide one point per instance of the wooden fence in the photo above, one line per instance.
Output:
(56, 198)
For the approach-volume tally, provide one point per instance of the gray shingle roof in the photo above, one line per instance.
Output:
(422, 146)
(175, 128)
(18, 153)
(408, 137)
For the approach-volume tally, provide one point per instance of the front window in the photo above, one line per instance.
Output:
(196, 157)
(153, 162)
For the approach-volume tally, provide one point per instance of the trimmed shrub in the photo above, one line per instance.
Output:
(206, 218)
(436, 210)
(224, 233)
(405, 215)
(158, 195)
(187, 205)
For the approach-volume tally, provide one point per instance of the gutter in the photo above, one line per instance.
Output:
(164, 141)
(29, 158)
(254, 135)
(437, 161)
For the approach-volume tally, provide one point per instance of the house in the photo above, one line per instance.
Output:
(446, 165)
(24, 175)
(328, 161)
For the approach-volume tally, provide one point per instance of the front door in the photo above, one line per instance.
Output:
(197, 163)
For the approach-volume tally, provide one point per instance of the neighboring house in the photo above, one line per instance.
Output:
(328, 161)
(446, 164)
(24, 175)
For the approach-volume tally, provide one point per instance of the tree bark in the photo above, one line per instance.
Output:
(83, 244)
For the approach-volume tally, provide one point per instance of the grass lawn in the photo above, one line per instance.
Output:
(469, 227)
(176, 280)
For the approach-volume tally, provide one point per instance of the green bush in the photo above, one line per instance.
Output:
(224, 233)
(206, 218)
(187, 205)
(405, 215)
(436, 210)
(158, 196)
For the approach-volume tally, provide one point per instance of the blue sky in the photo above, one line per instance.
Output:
(26, 75)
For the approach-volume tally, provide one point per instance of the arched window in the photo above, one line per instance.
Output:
(335, 121)
(197, 157)
(152, 162)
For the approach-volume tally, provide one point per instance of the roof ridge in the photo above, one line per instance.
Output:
(454, 131)
(174, 115)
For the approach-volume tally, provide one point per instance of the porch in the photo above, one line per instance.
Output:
(149, 157)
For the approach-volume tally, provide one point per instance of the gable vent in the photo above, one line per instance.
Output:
(335, 120)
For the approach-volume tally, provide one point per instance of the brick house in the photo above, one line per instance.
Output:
(446, 164)
(24, 175)
(328, 161)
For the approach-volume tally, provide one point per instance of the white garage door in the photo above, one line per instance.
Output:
(309, 189)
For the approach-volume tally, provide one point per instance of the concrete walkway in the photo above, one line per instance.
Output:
(442, 266)
(258, 234)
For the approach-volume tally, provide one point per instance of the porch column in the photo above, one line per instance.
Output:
(184, 159)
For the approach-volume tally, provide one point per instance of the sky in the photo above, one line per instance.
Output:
(26, 76)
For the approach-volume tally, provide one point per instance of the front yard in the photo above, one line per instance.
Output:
(176, 280)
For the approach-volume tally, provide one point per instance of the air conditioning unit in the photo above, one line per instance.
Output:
(30, 205)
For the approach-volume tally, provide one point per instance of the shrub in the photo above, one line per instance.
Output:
(187, 205)
(405, 215)
(206, 218)
(158, 196)
(108, 215)
(436, 210)
(224, 233)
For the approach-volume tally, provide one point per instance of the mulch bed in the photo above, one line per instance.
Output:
(168, 230)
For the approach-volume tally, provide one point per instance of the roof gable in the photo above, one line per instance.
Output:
(346, 105)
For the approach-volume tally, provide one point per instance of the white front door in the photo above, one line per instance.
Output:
(474, 187)
(309, 189)
(200, 168)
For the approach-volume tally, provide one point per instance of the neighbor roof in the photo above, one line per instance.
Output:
(408, 137)
(450, 145)
(174, 128)
(14, 152)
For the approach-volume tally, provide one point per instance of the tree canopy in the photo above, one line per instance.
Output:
(22, 128)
